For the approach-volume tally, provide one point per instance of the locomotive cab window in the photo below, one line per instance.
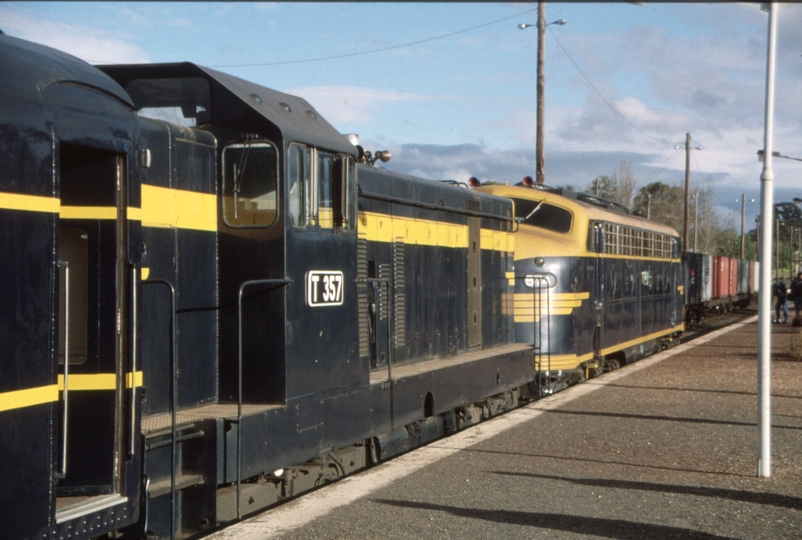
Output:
(543, 215)
(322, 189)
(249, 184)
(347, 193)
(325, 183)
(184, 101)
(300, 179)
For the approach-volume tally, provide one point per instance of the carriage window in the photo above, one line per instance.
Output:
(300, 177)
(621, 240)
(249, 184)
(543, 215)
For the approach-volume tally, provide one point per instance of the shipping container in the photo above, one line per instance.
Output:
(743, 278)
(707, 280)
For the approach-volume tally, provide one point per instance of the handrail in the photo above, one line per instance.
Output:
(429, 206)
(62, 473)
(244, 285)
(134, 322)
(173, 396)
(539, 284)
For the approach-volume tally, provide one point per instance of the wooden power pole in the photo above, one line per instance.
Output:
(686, 217)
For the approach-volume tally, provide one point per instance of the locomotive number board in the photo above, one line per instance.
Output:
(324, 288)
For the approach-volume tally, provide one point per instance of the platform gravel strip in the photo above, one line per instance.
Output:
(298, 513)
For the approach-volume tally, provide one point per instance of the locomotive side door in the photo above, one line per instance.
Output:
(597, 289)
(91, 318)
(379, 294)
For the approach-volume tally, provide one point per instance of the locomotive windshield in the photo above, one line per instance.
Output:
(543, 215)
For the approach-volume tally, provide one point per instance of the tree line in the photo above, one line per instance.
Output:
(708, 232)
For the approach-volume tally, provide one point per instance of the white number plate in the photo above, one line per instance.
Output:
(324, 288)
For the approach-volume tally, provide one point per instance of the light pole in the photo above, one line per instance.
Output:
(540, 160)
(760, 156)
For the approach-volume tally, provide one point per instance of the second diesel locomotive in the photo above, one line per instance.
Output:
(595, 287)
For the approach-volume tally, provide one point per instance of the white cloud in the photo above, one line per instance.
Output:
(90, 44)
(351, 104)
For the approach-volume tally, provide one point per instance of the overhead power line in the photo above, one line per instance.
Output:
(633, 126)
(659, 169)
(374, 51)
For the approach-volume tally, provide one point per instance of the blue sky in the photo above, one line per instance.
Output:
(449, 88)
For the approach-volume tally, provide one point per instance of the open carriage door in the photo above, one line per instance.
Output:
(92, 318)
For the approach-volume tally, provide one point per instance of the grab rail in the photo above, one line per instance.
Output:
(244, 285)
(62, 473)
(173, 396)
(132, 448)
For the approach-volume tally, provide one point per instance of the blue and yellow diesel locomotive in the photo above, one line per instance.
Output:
(595, 287)
(209, 305)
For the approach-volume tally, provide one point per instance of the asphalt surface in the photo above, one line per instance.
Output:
(665, 448)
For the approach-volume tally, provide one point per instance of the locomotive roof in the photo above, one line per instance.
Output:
(392, 186)
(27, 66)
(292, 116)
(577, 206)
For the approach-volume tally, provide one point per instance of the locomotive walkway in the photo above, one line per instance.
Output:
(665, 448)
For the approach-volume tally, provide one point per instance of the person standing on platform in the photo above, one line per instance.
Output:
(780, 293)
(796, 293)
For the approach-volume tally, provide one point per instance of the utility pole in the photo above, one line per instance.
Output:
(648, 206)
(686, 218)
(743, 218)
(757, 236)
(696, 222)
(540, 159)
(776, 246)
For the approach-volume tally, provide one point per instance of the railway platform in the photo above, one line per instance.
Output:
(664, 448)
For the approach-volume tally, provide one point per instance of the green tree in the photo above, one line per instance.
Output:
(617, 187)
(727, 243)
(661, 203)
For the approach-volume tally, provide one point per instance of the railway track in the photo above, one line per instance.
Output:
(715, 322)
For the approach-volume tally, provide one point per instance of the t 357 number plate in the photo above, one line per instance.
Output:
(324, 288)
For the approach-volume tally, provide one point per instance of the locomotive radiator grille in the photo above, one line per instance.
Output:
(399, 304)
(362, 298)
